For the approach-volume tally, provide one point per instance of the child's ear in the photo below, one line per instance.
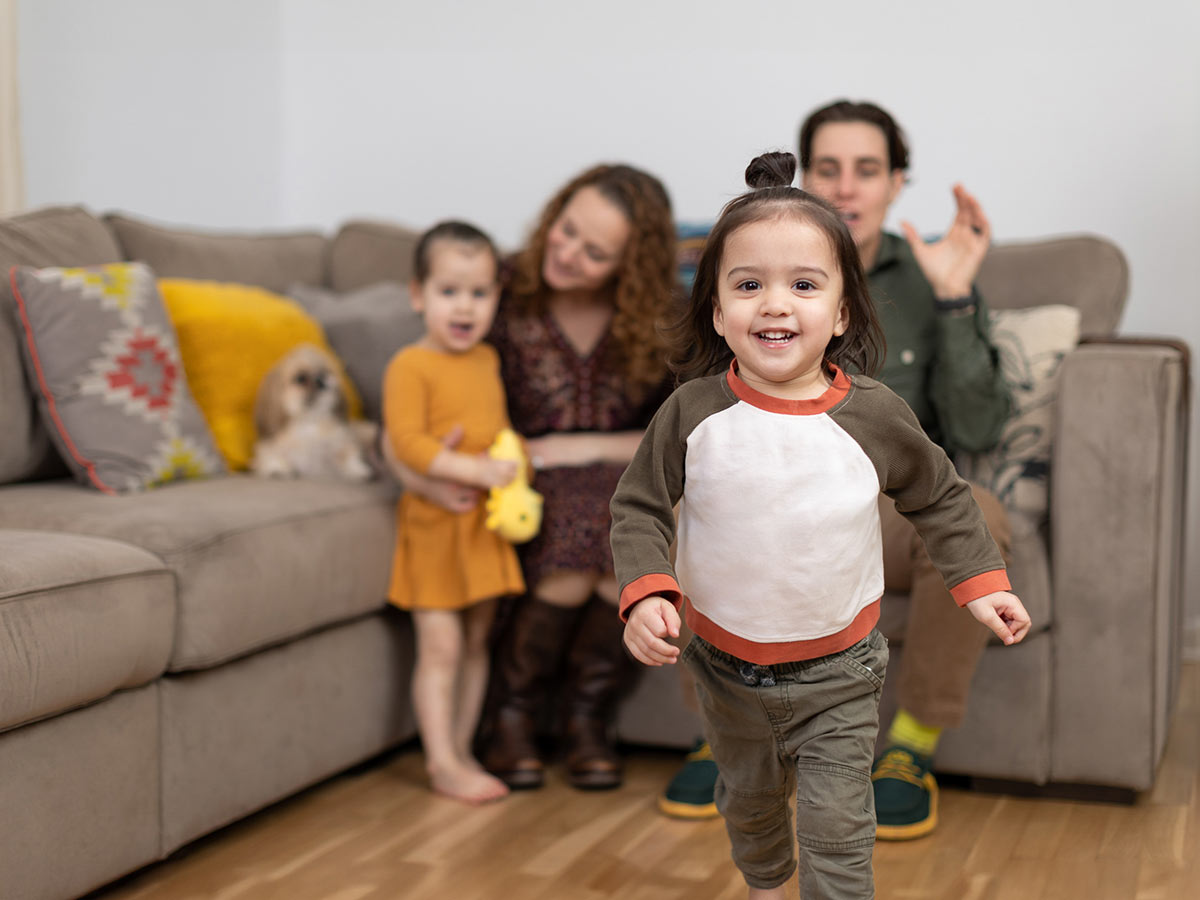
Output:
(416, 299)
(843, 319)
(718, 321)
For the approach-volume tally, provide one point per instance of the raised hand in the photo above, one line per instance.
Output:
(951, 264)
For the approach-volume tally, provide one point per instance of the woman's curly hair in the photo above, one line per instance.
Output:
(644, 286)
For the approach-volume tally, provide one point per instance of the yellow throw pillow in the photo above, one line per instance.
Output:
(230, 335)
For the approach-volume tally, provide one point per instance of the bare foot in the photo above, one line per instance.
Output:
(467, 783)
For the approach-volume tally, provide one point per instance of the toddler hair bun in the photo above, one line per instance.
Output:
(771, 170)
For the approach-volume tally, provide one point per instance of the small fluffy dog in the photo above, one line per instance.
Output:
(303, 432)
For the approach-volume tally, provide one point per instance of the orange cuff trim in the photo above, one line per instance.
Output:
(649, 586)
(978, 585)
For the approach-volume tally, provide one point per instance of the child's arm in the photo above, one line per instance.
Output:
(479, 470)
(643, 519)
(1002, 612)
(408, 392)
(650, 622)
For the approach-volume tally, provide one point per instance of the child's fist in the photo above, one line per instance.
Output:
(650, 622)
(1003, 613)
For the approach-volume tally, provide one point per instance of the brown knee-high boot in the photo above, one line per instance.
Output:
(597, 669)
(529, 658)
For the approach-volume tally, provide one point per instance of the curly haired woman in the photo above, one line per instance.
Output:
(583, 364)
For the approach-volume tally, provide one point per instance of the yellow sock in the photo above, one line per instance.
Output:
(912, 734)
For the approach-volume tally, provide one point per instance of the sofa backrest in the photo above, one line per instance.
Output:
(1084, 271)
(63, 235)
(273, 260)
(363, 253)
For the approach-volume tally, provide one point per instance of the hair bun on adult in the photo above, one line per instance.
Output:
(771, 170)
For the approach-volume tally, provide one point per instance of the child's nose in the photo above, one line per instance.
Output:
(776, 301)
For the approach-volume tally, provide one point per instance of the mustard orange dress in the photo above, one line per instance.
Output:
(445, 560)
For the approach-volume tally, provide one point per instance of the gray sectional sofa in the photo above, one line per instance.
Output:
(174, 660)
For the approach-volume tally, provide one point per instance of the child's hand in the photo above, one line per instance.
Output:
(650, 622)
(496, 472)
(1003, 613)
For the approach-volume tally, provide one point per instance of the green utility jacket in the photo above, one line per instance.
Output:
(944, 365)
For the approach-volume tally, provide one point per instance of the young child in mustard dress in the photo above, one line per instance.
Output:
(448, 568)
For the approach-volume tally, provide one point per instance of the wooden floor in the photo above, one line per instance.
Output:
(377, 833)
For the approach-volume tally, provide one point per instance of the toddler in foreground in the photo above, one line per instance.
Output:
(776, 457)
(448, 568)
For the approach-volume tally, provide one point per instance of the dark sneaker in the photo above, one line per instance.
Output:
(906, 795)
(690, 793)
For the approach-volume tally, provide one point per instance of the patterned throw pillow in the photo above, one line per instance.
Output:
(111, 386)
(1032, 343)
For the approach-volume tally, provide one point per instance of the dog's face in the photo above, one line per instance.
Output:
(303, 382)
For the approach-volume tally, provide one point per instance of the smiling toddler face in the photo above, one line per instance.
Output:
(778, 305)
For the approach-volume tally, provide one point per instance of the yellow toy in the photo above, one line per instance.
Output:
(515, 509)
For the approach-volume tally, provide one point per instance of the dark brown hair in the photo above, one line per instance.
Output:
(861, 111)
(450, 230)
(699, 350)
(644, 286)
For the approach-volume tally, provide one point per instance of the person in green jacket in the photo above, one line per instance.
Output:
(941, 360)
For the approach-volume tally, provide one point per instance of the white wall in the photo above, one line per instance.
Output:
(1061, 117)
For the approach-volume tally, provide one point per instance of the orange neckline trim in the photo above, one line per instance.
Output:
(833, 395)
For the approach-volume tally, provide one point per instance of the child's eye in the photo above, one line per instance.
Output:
(749, 285)
(481, 294)
(448, 292)
(804, 285)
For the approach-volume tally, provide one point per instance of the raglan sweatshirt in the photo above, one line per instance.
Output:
(779, 554)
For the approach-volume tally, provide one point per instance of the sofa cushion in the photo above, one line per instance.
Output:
(80, 617)
(230, 336)
(55, 236)
(365, 328)
(270, 260)
(257, 561)
(364, 253)
(111, 385)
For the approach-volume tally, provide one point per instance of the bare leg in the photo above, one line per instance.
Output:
(775, 893)
(435, 686)
(472, 677)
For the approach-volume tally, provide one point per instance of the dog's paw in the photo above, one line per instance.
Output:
(356, 469)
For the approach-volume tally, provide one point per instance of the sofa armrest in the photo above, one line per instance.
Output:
(1118, 504)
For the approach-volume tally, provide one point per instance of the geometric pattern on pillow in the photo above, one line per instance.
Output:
(1031, 343)
(111, 386)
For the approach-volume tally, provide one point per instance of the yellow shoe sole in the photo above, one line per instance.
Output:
(677, 810)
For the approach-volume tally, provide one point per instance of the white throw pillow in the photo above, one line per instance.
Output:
(1032, 343)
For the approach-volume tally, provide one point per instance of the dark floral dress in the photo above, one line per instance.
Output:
(552, 389)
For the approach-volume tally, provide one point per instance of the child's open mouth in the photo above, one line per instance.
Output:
(461, 329)
(775, 338)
